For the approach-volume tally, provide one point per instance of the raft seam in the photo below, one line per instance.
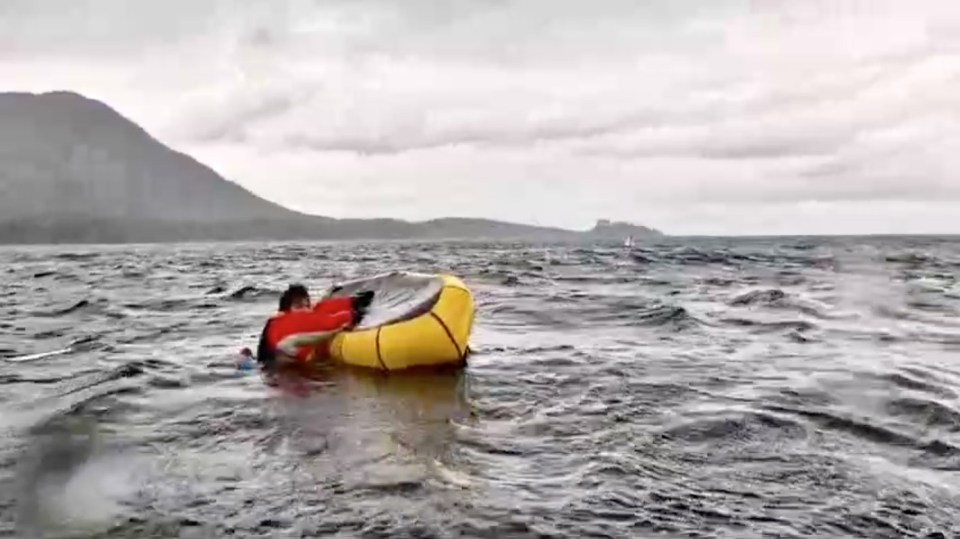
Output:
(465, 291)
(462, 288)
(449, 334)
(379, 356)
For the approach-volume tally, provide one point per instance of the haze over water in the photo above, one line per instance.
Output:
(788, 387)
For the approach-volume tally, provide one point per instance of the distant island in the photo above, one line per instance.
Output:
(73, 170)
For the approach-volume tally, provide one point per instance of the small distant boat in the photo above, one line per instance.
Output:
(628, 242)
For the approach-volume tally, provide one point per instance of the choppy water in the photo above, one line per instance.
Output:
(685, 388)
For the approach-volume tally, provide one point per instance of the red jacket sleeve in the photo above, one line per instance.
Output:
(341, 318)
(292, 323)
(333, 305)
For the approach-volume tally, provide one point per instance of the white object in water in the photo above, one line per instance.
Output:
(41, 355)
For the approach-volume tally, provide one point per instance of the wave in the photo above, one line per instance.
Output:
(82, 304)
(771, 325)
(925, 412)
(246, 292)
(760, 297)
(663, 315)
(902, 381)
(72, 257)
(739, 428)
(863, 428)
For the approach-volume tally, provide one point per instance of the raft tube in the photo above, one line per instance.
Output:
(415, 320)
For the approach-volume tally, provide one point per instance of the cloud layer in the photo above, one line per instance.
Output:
(724, 117)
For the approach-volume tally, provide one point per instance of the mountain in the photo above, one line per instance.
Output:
(72, 169)
(606, 229)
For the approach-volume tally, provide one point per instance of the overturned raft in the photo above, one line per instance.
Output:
(415, 320)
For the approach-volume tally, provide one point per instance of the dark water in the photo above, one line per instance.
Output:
(697, 388)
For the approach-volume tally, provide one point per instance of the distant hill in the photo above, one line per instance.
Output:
(617, 229)
(74, 170)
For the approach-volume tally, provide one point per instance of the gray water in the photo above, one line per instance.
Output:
(795, 387)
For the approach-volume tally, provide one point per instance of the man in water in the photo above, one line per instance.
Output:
(300, 331)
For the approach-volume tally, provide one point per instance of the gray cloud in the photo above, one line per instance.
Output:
(98, 28)
(604, 108)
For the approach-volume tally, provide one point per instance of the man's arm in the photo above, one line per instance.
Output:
(290, 344)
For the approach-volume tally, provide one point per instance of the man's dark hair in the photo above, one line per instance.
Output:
(291, 294)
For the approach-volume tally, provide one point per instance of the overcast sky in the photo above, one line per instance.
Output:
(694, 116)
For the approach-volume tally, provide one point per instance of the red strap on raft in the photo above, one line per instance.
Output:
(327, 315)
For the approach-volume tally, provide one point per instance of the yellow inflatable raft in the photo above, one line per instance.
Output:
(414, 320)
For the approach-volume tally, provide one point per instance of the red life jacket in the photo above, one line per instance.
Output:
(327, 315)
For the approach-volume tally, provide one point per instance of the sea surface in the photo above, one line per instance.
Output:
(742, 388)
